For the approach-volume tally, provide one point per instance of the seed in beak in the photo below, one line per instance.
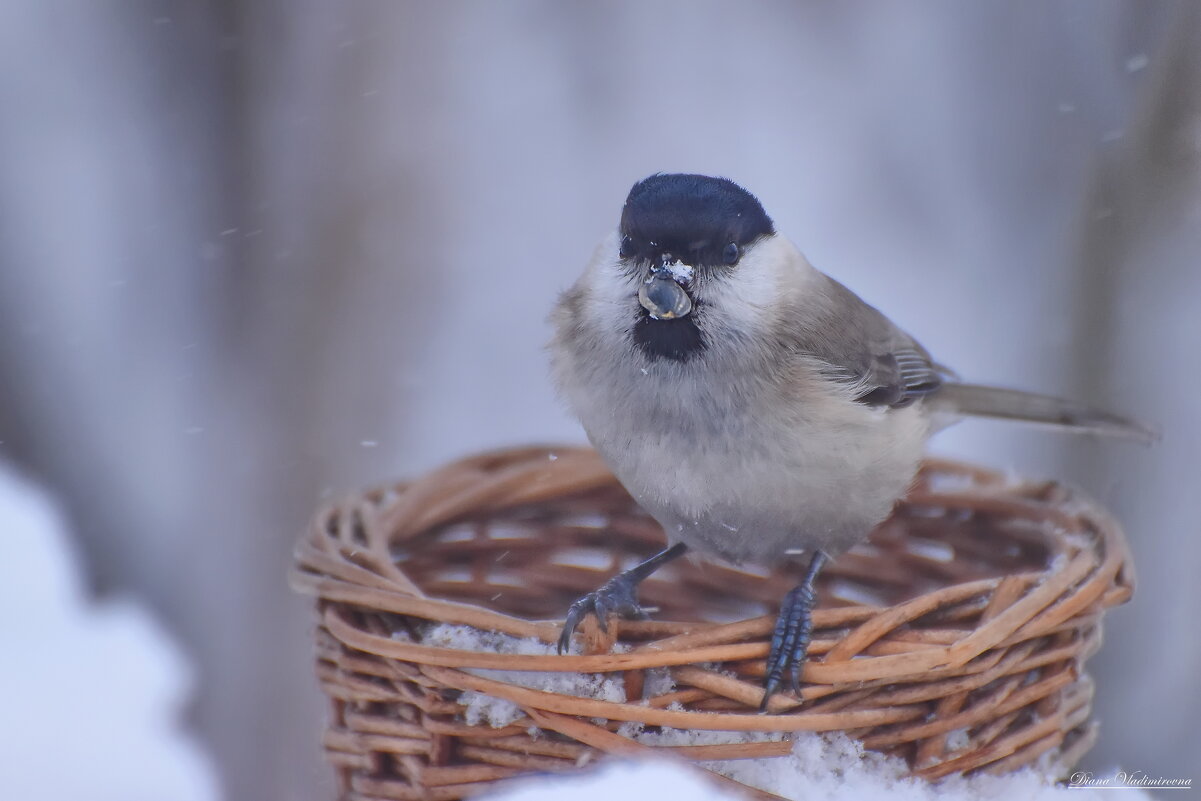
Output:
(664, 298)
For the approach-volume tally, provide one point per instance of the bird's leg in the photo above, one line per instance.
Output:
(615, 596)
(794, 626)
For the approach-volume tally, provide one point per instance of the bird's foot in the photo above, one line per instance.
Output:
(789, 642)
(614, 597)
(790, 638)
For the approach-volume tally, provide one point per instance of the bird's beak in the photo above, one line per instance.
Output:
(662, 295)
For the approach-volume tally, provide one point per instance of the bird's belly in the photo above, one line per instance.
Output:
(768, 492)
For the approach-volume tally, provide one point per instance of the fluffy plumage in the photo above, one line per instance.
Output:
(782, 415)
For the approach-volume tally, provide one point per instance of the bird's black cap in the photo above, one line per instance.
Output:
(693, 217)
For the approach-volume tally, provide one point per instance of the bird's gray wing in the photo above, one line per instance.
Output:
(859, 346)
(881, 365)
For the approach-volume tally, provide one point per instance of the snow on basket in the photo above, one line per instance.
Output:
(954, 638)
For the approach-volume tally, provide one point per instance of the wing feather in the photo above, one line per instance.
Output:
(882, 364)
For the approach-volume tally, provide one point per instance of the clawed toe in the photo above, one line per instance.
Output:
(615, 597)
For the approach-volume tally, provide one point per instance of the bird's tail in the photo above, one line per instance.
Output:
(1012, 404)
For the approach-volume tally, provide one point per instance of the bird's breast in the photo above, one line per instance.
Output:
(747, 477)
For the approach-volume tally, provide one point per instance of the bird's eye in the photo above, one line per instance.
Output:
(627, 247)
(731, 253)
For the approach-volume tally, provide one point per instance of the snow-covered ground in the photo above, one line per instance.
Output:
(91, 694)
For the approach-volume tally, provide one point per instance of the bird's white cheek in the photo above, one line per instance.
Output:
(745, 298)
(608, 294)
(613, 296)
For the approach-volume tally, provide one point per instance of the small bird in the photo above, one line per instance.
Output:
(759, 410)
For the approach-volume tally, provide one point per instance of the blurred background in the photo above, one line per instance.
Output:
(255, 253)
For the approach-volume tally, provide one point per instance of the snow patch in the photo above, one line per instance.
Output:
(679, 271)
(92, 693)
(498, 712)
(656, 779)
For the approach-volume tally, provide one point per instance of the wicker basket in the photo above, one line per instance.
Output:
(969, 613)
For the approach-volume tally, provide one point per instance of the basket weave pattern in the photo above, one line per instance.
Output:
(968, 613)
